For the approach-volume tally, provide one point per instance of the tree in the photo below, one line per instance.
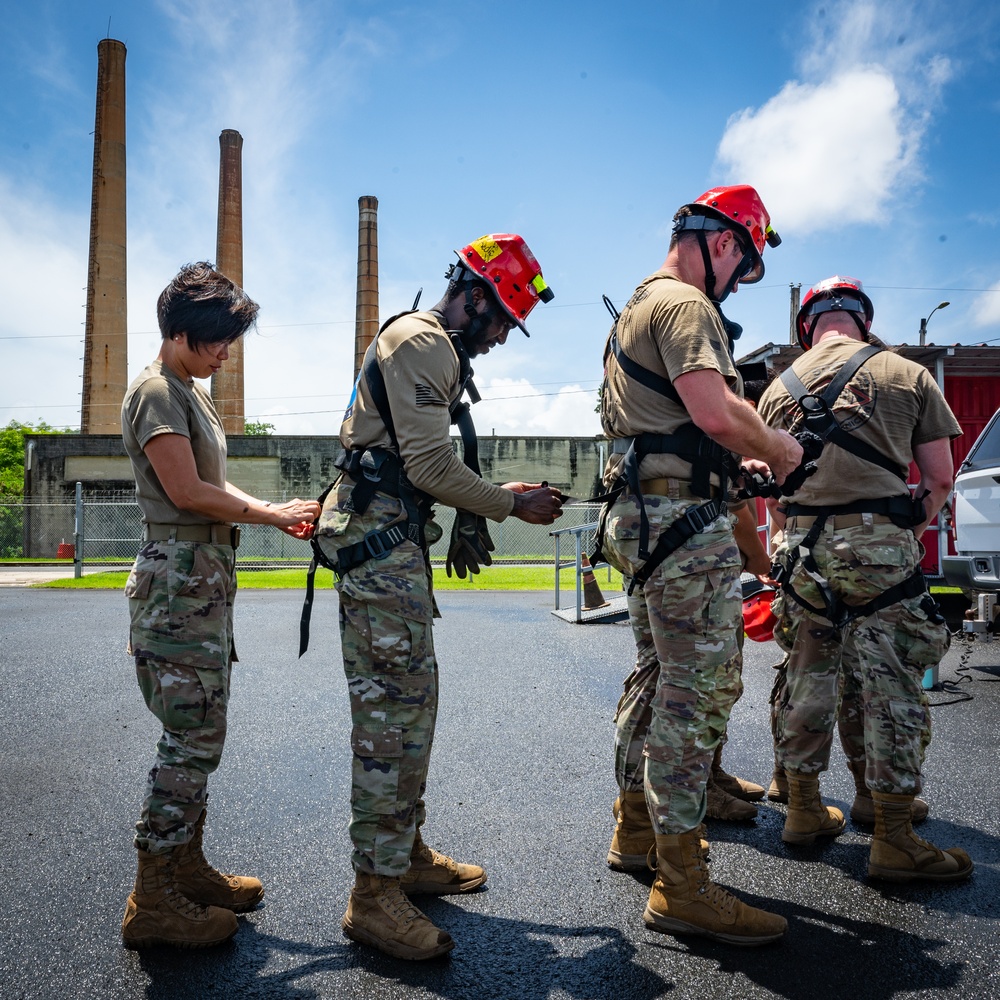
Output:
(12, 454)
(257, 428)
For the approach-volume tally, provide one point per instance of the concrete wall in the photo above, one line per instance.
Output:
(272, 468)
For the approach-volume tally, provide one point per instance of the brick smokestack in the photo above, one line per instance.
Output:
(227, 384)
(366, 312)
(105, 350)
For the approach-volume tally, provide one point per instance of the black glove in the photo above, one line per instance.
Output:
(470, 546)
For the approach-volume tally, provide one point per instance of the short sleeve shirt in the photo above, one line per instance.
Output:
(670, 328)
(891, 403)
(160, 402)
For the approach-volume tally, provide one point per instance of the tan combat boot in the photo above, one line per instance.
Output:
(684, 900)
(201, 883)
(380, 915)
(899, 855)
(633, 837)
(738, 788)
(157, 912)
(434, 874)
(720, 804)
(863, 808)
(777, 791)
(807, 817)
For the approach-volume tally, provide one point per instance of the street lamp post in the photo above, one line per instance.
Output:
(924, 322)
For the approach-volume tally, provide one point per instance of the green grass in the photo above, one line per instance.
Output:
(492, 578)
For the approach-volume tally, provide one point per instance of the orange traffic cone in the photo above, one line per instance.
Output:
(592, 596)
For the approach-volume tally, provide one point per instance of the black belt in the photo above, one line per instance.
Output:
(212, 534)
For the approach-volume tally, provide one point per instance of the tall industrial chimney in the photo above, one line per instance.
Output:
(366, 312)
(227, 384)
(105, 350)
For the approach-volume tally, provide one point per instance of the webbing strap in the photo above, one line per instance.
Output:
(658, 383)
(692, 521)
(819, 416)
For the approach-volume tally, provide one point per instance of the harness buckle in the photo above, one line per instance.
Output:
(375, 542)
(699, 518)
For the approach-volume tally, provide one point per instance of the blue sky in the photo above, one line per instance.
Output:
(870, 129)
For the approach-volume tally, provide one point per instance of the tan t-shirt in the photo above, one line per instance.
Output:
(891, 403)
(160, 402)
(421, 372)
(669, 327)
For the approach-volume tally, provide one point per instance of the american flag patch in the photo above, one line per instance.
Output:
(427, 397)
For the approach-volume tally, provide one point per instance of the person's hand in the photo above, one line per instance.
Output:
(522, 487)
(295, 514)
(536, 505)
(470, 546)
(303, 530)
(787, 456)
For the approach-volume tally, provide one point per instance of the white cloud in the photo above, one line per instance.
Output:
(986, 308)
(515, 406)
(842, 144)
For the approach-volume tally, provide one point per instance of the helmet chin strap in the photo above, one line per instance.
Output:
(479, 324)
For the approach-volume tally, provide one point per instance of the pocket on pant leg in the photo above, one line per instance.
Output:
(178, 695)
(674, 712)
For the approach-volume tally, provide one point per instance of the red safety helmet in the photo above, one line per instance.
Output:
(504, 259)
(720, 208)
(758, 618)
(831, 295)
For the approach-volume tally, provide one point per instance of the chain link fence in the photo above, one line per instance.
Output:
(111, 525)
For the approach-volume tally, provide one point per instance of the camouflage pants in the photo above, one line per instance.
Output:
(181, 604)
(892, 649)
(676, 703)
(392, 680)
(850, 716)
(386, 610)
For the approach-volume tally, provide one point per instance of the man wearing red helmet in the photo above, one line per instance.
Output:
(850, 573)
(374, 531)
(671, 402)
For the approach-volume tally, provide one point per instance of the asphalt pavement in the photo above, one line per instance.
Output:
(521, 782)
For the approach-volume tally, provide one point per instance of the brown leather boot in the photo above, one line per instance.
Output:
(633, 837)
(684, 900)
(157, 912)
(380, 915)
(738, 788)
(899, 855)
(863, 807)
(434, 874)
(722, 805)
(201, 883)
(807, 817)
(778, 789)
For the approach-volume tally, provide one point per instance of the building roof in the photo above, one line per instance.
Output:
(957, 359)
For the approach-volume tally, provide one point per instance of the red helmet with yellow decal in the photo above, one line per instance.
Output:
(510, 269)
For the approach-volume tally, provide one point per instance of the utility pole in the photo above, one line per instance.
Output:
(793, 311)
(924, 322)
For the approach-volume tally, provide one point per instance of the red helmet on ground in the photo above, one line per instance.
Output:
(830, 295)
(737, 207)
(514, 275)
(758, 618)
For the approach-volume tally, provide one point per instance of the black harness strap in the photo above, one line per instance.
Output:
(378, 470)
(905, 511)
(689, 443)
(819, 416)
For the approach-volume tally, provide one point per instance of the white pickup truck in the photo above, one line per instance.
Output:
(976, 509)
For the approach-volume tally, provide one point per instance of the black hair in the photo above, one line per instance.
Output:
(206, 305)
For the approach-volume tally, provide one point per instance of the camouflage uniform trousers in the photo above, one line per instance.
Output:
(386, 613)
(850, 716)
(887, 653)
(181, 604)
(676, 703)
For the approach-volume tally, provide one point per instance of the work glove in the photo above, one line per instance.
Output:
(470, 546)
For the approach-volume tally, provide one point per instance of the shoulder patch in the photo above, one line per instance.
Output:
(425, 396)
